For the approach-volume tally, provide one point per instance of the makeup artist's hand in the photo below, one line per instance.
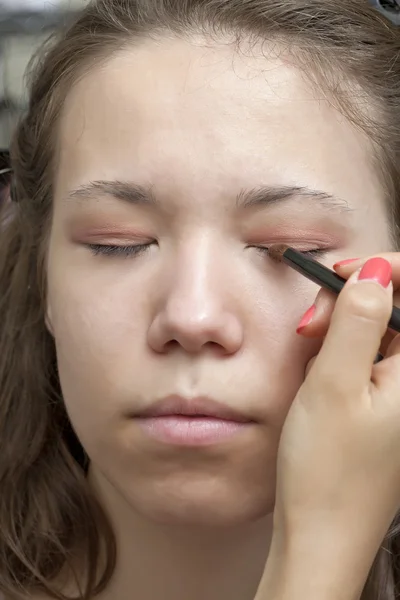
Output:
(325, 301)
(338, 474)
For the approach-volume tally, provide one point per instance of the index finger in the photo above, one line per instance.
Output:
(348, 267)
(358, 323)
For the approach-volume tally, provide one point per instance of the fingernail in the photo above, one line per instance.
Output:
(307, 318)
(343, 263)
(377, 269)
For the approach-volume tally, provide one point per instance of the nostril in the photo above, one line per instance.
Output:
(195, 346)
(171, 345)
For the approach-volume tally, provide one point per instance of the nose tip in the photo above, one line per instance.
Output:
(221, 331)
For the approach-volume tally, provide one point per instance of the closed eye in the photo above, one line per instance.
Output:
(118, 251)
(314, 253)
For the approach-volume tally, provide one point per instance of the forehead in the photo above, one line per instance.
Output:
(189, 116)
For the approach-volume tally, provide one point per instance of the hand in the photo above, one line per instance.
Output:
(338, 480)
(325, 301)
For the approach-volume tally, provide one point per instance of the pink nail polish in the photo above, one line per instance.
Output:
(343, 263)
(307, 318)
(377, 269)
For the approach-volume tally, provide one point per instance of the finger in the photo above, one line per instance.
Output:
(324, 304)
(390, 333)
(387, 341)
(393, 347)
(358, 323)
(310, 365)
(347, 267)
(386, 377)
(319, 323)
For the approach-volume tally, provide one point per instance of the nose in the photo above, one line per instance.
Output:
(196, 311)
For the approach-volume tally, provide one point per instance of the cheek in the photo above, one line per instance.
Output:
(289, 362)
(96, 335)
(280, 353)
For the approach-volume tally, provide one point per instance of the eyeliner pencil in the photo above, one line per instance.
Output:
(319, 274)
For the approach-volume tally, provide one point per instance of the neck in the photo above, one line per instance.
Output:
(159, 561)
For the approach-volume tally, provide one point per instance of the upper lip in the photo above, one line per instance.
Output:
(193, 407)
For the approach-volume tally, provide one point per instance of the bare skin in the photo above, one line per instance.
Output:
(201, 312)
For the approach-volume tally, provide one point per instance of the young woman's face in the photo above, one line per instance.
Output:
(201, 156)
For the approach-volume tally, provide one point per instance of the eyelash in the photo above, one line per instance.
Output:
(135, 250)
(122, 251)
(314, 253)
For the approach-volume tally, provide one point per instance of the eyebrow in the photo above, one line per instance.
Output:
(256, 198)
(269, 196)
(120, 190)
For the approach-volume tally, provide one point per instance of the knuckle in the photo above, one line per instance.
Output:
(371, 306)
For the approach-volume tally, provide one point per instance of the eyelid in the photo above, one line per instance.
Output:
(111, 239)
(300, 247)
(296, 236)
(91, 232)
(313, 253)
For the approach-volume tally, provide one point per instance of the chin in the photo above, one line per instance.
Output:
(215, 487)
(212, 503)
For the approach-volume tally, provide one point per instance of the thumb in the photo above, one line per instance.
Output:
(359, 321)
(310, 365)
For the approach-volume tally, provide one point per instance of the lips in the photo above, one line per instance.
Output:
(195, 408)
(195, 422)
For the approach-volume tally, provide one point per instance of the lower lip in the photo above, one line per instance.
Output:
(182, 430)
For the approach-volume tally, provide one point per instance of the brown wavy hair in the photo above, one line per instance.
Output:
(47, 513)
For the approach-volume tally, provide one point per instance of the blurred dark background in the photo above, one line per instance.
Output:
(23, 26)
